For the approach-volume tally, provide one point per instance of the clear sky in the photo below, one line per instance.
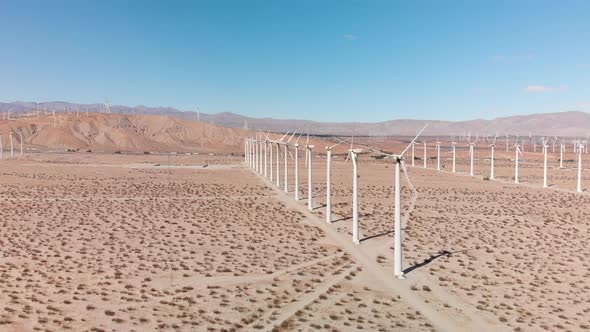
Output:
(340, 60)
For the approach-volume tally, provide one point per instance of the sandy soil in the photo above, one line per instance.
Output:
(514, 251)
(121, 242)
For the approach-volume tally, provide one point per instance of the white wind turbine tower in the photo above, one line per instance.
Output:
(296, 145)
(308, 157)
(580, 149)
(253, 152)
(260, 157)
(413, 145)
(493, 145)
(1, 147)
(246, 151)
(259, 152)
(266, 157)
(11, 145)
(399, 163)
(574, 145)
(561, 151)
(278, 175)
(353, 154)
(21, 142)
(517, 152)
(278, 170)
(286, 144)
(256, 154)
(329, 180)
(545, 148)
(437, 155)
(270, 156)
(471, 156)
(424, 142)
(453, 143)
(250, 153)
(506, 142)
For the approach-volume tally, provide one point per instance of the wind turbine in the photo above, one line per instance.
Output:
(278, 173)
(21, 142)
(260, 158)
(329, 179)
(545, 148)
(437, 155)
(353, 153)
(413, 159)
(265, 156)
(246, 151)
(561, 151)
(517, 152)
(506, 142)
(256, 154)
(424, 153)
(296, 145)
(471, 155)
(279, 159)
(252, 153)
(11, 145)
(308, 156)
(580, 149)
(399, 163)
(454, 154)
(492, 159)
(286, 144)
(270, 164)
(1, 147)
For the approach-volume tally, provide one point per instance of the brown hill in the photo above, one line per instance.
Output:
(122, 132)
(100, 132)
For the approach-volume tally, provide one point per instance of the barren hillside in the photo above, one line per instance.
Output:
(100, 132)
(571, 123)
(121, 132)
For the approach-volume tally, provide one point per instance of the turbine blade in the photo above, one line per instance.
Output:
(290, 138)
(287, 133)
(341, 141)
(412, 142)
(297, 141)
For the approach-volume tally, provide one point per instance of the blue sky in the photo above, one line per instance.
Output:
(338, 60)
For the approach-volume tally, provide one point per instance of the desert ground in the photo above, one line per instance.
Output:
(116, 242)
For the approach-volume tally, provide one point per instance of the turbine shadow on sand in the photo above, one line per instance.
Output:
(442, 253)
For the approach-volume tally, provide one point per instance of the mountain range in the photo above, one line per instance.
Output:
(571, 123)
